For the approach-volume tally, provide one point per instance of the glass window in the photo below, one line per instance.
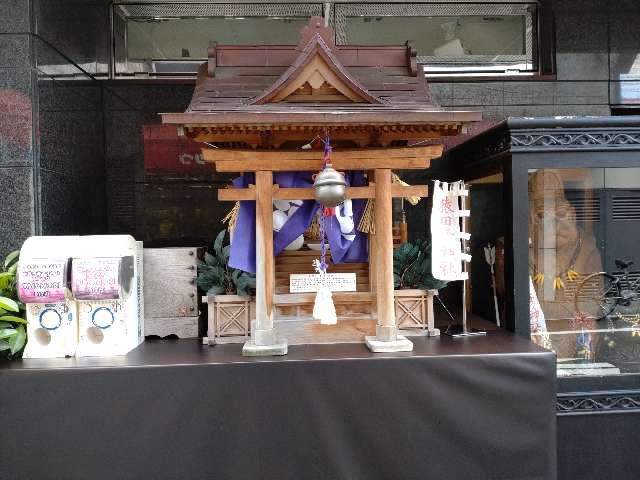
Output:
(188, 38)
(464, 36)
(173, 37)
(584, 266)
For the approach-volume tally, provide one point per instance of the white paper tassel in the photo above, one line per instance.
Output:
(323, 308)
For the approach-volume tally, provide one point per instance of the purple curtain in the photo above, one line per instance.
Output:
(243, 246)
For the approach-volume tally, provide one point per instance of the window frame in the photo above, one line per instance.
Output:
(454, 64)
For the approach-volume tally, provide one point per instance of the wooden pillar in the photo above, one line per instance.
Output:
(372, 249)
(383, 251)
(372, 271)
(263, 332)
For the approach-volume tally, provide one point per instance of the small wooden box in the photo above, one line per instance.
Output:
(170, 292)
(229, 318)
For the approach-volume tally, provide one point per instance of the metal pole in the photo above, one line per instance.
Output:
(465, 249)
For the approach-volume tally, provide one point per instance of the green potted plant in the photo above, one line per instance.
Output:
(415, 286)
(13, 334)
(229, 293)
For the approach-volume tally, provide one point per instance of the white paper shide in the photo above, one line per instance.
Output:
(447, 254)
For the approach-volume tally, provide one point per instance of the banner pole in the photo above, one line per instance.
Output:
(462, 330)
(465, 250)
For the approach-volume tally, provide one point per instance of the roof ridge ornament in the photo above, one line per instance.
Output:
(317, 75)
(316, 26)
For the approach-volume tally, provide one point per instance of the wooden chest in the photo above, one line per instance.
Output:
(170, 292)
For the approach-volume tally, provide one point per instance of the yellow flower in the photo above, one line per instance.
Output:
(572, 275)
(558, 284)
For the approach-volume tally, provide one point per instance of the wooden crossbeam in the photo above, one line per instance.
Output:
(304, 160)
(235, 194)
(362, 136)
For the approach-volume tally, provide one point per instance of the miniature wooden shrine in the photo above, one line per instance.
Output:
(257, 105)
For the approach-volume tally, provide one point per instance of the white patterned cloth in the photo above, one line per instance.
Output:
(447, 252)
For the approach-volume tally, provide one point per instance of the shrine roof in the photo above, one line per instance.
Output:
(313, 83)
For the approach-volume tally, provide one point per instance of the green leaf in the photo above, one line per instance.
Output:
(217, 244)
(7, 332)
(12, 269)
(9, 305)
(17, 341)
(235, 275)
(6, 279)
(248, 284)
(13, 319)
(4, 345)
(412, 266)
(211, 260)
(11, 258)
(213, 277)
(215, 290)
(226, 251)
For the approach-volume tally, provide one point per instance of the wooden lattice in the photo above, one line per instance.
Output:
(411, 311)
(231, 316)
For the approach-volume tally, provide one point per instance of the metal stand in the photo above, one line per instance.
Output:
(461, 330)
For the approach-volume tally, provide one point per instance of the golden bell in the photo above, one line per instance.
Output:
(330, 187)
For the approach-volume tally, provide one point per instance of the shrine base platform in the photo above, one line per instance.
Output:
(472, 408)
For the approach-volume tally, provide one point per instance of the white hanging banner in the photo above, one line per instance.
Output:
(447, 238)
(536, 315)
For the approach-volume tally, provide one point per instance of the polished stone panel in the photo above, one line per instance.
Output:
(80, 29)
(581, 110)
(442, 93)
(481, 93)
(16, 122)
(15, 50)
(625, 44)
(588, 93)
(581, 40)
(69, 139)
(69, 95)
(72, 157)
(627, 92)
(582, 66)
(58, 216)
(16, 208)
(17, 79)
(124, 164)
(158, 98)
(529, 110)
(124, 139)
(72, 205)
(15, 16)
(15, 139)
(529, 93)
(490, 112)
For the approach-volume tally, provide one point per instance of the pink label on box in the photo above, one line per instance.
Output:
(41, 281)
(95, 278)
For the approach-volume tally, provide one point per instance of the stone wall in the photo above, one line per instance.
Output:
(19, 217)
(71, 151)
(72, 161)
(594, 45)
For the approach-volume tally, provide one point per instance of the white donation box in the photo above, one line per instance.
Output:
(106, 283)
(43, 273)
(83, 295)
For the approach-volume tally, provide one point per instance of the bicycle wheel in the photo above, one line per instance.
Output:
(597, 296)
(629, 306)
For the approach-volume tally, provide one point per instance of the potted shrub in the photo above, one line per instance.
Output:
(13, 334)
(415, 286)
(229, 293)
